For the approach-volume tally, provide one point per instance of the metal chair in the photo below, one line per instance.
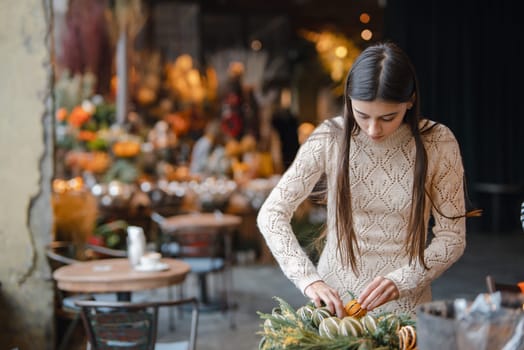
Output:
(128, 325)
(204, 250)
(60, 253)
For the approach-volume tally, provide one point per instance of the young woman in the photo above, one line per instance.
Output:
(387, 172)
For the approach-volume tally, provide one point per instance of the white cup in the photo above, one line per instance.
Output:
(150, 259)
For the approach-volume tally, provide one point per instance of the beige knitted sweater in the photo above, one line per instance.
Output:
(381, 183)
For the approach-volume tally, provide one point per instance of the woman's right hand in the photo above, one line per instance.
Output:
(319, 292)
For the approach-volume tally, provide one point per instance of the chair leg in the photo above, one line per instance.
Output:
(180, 295)
(202, 283)
(69, 332)
(230, 306)
(180, 290)
(171, 309)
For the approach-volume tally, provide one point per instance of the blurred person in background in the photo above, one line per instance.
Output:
(285, 125)
(205, 147)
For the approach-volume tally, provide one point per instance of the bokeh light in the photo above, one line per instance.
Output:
(366, 34)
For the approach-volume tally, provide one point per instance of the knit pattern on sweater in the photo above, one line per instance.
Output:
(381, 180)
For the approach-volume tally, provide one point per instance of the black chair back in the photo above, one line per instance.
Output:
(128, 325)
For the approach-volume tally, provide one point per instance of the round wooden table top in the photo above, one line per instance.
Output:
(201, 220)
(117, 275)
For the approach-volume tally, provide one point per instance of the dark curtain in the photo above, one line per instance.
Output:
(470, 63)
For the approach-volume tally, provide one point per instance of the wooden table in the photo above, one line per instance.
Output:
(201, 220)
(117, 276)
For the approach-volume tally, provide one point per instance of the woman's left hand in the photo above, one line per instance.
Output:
(378, 292)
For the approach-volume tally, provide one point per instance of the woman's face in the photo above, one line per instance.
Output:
(379, 119)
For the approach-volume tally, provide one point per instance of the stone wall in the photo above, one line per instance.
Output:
(26, 162)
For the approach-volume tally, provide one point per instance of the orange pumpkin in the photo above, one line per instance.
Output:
(353, 308)
(97, 162)
(126, 149)
(78, 117)
(86, 135)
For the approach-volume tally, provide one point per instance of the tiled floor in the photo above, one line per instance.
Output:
(501, 255)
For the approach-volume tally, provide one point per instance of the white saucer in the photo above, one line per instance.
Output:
(157, 267)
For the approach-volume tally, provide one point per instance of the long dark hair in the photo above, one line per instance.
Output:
(382, 71)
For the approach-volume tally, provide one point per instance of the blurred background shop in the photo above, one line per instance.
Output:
(180, 106)
(259, 68)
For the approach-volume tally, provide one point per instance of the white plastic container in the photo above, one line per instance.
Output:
(136, 244)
